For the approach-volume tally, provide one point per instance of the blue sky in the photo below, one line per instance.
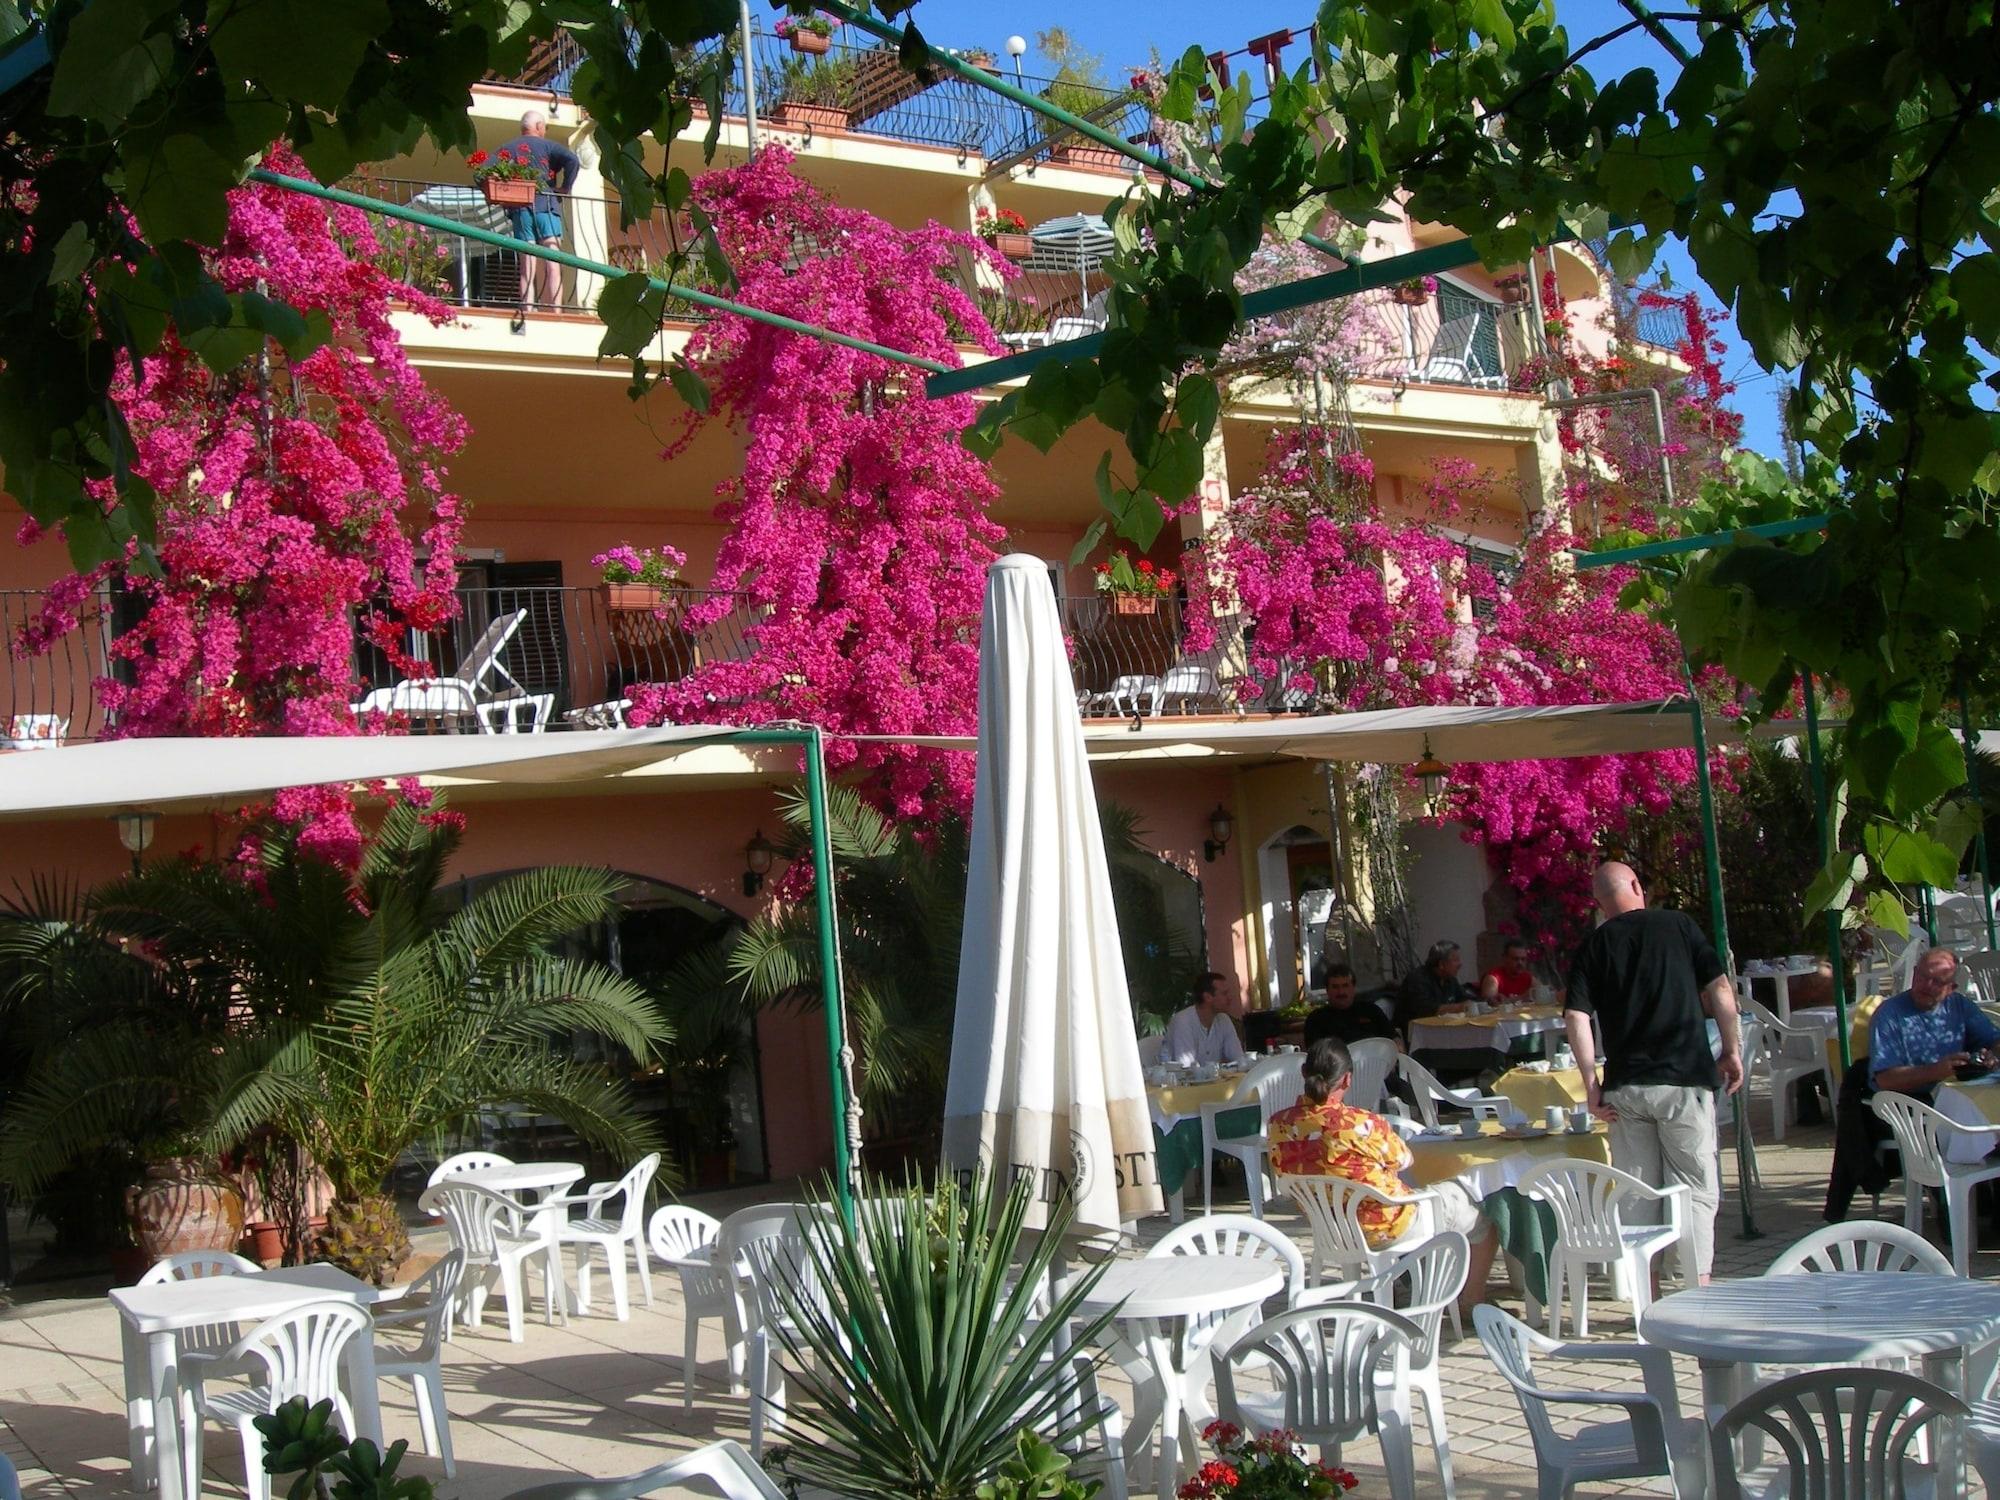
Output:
(1125, 33)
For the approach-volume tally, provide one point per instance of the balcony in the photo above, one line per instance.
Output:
(866, 91)
(1451, 339)
(518, 646)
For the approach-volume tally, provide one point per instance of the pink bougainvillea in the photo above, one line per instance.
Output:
(858, 533)
(297, 500)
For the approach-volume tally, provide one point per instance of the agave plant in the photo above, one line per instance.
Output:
(355, 1015)
(926, 1346)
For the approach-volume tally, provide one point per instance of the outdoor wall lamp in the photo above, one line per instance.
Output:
(1220, 827)
(757, 857)
(1432, 774)
(135, 832)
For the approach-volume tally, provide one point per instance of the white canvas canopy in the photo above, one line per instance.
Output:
(1045, 1079)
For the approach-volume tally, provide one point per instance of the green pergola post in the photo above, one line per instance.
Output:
(1823, 826)
(831, 989)
(1979, 837)
(1718, 914)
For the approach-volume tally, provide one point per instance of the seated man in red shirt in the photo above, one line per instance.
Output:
(1510, 979)
(1321, 1136)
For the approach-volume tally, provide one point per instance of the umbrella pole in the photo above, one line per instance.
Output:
(1824, 827)
(840, 1057)
(1979, 807)
(1711, 858)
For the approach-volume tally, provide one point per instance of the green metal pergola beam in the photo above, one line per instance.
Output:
(582, 263)
(1702, 543)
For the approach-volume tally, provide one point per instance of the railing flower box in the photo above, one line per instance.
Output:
(810, 116)
(1135, 604)
(509, 192)
(1087, 154)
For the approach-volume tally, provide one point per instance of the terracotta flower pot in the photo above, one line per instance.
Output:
(632, 596)
(1014, 246)
(1135, 604)
(812, 42)
(184, 1204)
(1408, 296)
(264, 1242)
(1091, 155)
(815, 116)
(1512, 290)
(510, 192)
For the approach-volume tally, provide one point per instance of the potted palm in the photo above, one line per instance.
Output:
(509, 179)
(1134, 588)
(1006, 231)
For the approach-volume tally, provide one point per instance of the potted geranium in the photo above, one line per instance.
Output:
(1271, 1467)
(812, 34)
(1136, 588)
(1006, 231)
(637, 578)
(1415, 292)
(508, 178)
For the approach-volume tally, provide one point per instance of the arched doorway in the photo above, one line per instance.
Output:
(1295, 891)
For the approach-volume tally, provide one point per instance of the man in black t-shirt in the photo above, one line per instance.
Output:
(1651, 979)
(1344, 1018)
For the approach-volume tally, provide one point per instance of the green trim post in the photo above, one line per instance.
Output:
(831, 988)
(1927, 912)
(583, 263)
(1718, 914)
(1823, 827)
(1582, 559)
(1979, 836)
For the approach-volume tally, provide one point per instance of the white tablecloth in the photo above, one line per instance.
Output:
(1970, 1104)
(1495, 1031)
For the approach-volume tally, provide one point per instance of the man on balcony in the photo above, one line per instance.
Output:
(541, 224)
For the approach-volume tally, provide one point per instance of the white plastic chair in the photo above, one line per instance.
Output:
(465, 1161)
(1918, 1130)
(1334, 1365)
(498, 1242)
(1982, 972)
(766, 1246)
(1149, 1049)
(1423, 1285)
(425, 1306)
(1786, 1054)
(1190, 685)
(459, 696)
(1272, 1084)
(1239, 1236)
(685, 1238)
(1373, 1059)
(1650, 1439)
(1332, 1206)
(299, 1353)
(1588, 1199)
(734, 1474)
(597, 1230)
(203, 1344)
(1861, 1245)
(1430, 1091)
(1849, 1430)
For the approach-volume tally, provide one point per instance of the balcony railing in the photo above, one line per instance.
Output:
(50, 698)
(1665, 327)
(866, 90)
(1450, 338)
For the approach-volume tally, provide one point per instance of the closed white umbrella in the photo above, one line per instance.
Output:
(1045, 1078)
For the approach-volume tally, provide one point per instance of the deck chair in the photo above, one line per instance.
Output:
(464, 694)
(1188, 684)
(1451, 360)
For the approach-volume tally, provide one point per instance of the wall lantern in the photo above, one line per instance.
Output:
(757, 857)
(135, 832)
(1220, 827)
(1432, 774)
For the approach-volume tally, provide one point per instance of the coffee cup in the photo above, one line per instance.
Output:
(1579, 1120)
(1552, 1117)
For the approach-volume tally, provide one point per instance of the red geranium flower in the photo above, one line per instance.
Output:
(477, 158)
(1145, 565)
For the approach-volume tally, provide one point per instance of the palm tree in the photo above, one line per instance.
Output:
(362, 1015)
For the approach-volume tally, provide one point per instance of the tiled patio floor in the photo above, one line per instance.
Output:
(603, 1398)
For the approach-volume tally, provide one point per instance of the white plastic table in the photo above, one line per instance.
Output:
(1975, 1104)
(1826, 1319)
(151, 1317)
(1494, 1031)
(523, 1181)
(1170, 1374)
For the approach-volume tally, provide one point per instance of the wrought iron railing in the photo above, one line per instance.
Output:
(865, 89)
(1130, 657)
(1449, 338)
(1663, 326)
(50, 697)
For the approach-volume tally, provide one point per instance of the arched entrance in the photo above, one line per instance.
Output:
(1295, 893)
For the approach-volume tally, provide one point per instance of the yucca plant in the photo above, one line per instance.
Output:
(924, 1349)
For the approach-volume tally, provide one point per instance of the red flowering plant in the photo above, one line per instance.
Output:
(505, 165)
(1141, 579)
(992, 223)
(1271, 1467)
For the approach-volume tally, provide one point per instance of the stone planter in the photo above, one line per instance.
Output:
(1014, 246)
(810, 116)
(811, 42)
(510, 192)
(1135, 604)
(184, 1204)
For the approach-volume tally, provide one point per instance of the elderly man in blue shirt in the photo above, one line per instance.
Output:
(1917, 1039)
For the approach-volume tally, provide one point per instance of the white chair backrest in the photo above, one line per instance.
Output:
(1434, 1275)
(188, 1265)
(1373, 1057)
(633, 1185)
(1273, 1083)
(434, 1291)
(1863, 1245)
(1982, 972)
(483, 655)
(466, 1161)
(1237, 1235)
(301, 1350)
(1750, 1037)
(1837, 1432)
(1149, 1048)
(1585, 1196)
(1917, 1128)
(674, 1233)
(1959, 923)
(1510, 1344)
(474, 1217)
(1325, 1360)
(766, 1243)
(1332, 1206)
(1905, 963)
(1187, 677)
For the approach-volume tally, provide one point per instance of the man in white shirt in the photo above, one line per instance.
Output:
(1206, 1031)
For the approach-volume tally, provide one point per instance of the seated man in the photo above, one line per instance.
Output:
(1205, 1032)
(1918, 1038)
(1510, 979)
(1321, 1136)
(1344, 1018)
(1432, 989)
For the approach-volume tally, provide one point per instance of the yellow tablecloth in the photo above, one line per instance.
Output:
(1531, 1092)
(1176, 1101)
(1859, 1014)
(1493, 1161)
(1983, 1098)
